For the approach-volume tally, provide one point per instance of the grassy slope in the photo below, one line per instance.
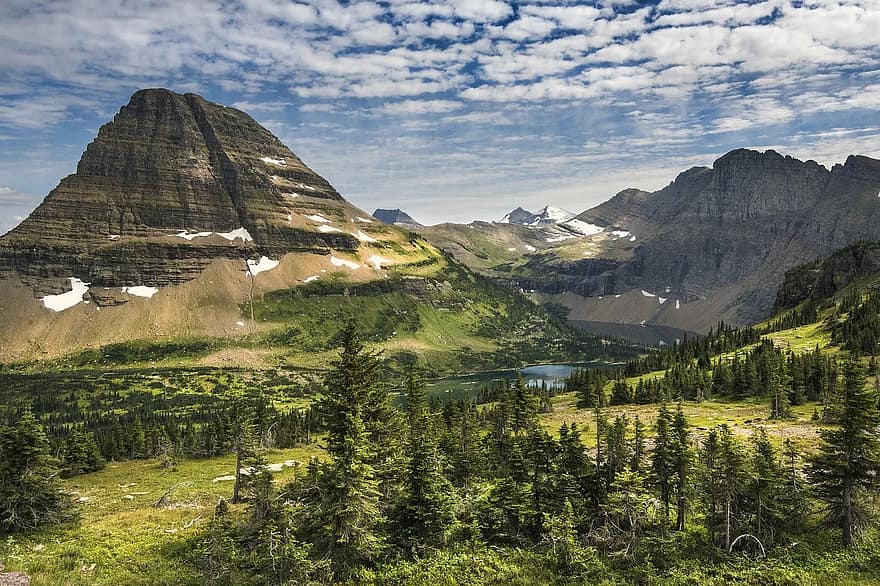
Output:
(122, 534)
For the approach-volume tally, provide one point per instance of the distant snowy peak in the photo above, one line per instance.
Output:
(547, 215)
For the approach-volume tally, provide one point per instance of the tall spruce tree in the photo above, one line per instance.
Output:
(424, 514)
(680, 458)
(350, 518)
(848, 461)
(661, 459)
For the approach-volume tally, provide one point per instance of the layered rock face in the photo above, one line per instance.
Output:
(173, 182)
(737, 227)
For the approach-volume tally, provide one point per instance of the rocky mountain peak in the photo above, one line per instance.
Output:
(396, 217)
(546, 215)
(170, 183)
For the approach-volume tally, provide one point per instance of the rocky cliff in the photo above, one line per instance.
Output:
(737, 227)
(171, 183)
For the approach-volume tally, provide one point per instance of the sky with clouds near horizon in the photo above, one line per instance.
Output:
(453, 109)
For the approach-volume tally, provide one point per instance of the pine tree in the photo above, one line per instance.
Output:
(621, 394)
(463, 447)
(680, 458)
(81, 453)
(525, 407)
(780, 405)
(849, 458)
(661, 459)
(249, 458)
(425, 513)
(30, 495)
(349, 517)
(765, 486)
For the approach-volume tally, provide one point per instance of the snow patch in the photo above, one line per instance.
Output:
(364, 237)
(620, 233)
(646, 294)
(318, 218)
(677, 304)
(289, 217)
(560, 238)
(377, 261)
(662, 300)
(264, 264)
(67, 300)
(240, 324)
(584, 228)
(341, 262)
(141, 291)
(114, 237)
(530, 248)
(310, 279)
(512, 249)
(292, 195)
(364, 220)
(237, 233)
(668, 288)
(271, 161)
(306, 187)
(555, 214)
(632, 239)
(325, 229)
(617, 296)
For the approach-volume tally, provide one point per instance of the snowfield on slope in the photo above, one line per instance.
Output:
(264, 264)
(67, 300)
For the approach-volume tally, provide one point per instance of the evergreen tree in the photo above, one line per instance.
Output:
(621, 394)
(249, 459)
(765, 487)
(81, 453)
(525, 407)
(724, 484)
(30, 495)
(463, 446)
(662, 465)
(627, 512)
(848, 461)
(349, 517)
(680, 459)
(780, 404)
(425, 513)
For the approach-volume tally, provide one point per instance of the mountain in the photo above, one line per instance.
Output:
(189, 230)
(714, 244)
(396, 217)
(547, 215)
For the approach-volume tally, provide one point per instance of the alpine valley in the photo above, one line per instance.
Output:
(215, 369)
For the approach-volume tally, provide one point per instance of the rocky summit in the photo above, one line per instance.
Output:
(718, 240)
(171, 183)
(396, 217)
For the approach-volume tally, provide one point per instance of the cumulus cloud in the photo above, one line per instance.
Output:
(499, 88)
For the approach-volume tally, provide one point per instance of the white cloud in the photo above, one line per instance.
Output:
(421, 106)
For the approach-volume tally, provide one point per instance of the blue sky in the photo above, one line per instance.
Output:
(453, 109)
